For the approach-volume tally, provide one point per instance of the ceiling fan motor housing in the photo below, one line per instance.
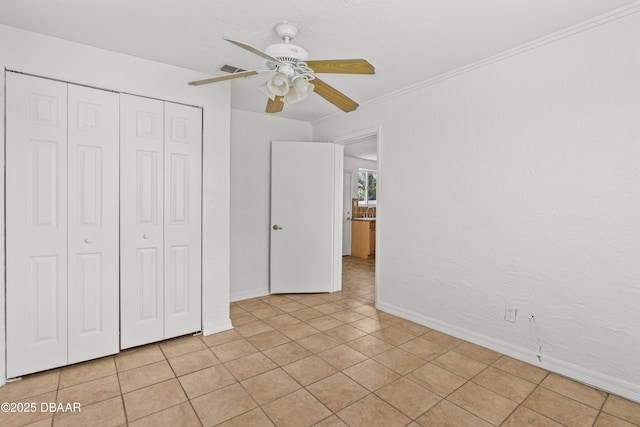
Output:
(288, 53)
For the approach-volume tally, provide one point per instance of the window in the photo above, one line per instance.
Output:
(367, 180)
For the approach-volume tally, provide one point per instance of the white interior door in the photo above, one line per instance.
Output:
(182, 222)
(306, 212)
(346, 214)
(93, 245)
(141, 220)
(36, 204)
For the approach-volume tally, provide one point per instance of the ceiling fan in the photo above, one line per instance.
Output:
(293, 75)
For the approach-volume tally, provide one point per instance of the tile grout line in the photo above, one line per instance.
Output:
(180, 382)
(124, 408)
(56, 398)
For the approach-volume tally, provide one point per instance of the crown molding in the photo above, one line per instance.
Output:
(586, 25)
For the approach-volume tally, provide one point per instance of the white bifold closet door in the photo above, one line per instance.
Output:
(182, 219)
(160, 234)
(93, 221)
(62, 223)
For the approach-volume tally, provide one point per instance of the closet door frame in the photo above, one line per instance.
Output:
(80, 293)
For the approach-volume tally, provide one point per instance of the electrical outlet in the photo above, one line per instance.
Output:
(510, 314)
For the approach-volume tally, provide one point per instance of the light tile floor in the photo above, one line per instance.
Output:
(321, 359)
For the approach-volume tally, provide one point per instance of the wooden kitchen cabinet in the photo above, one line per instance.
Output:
(363, 238)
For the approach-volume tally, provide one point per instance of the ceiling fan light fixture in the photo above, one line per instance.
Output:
(300, 84)
(278, 84)
(265, 89)
(300, 90)
(288, 70)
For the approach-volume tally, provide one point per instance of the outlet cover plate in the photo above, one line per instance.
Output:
(510, 314)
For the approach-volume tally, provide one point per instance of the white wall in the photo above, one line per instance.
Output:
(251, 136)
(54, 58)
(522, 175)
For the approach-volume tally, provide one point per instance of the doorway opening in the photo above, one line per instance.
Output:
(361, 192)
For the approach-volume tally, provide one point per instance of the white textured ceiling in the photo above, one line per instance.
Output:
(408, 41)
(365, 148)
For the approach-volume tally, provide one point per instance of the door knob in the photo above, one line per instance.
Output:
(146, 236)
(277, 227)
(88, 240)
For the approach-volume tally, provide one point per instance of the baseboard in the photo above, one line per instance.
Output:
(595, 379)
(215, 327)
(255, 293)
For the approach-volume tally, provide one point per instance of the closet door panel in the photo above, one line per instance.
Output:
(36, 229)
(93, 282)
(141, 220)
(182, 219)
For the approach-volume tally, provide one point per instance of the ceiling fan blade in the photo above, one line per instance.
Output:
(342, 66)
(225, 77)
(253, 50)
(275, 105)
(333, 95)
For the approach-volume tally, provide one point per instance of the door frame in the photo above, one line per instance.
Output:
(351, 138)
(346, 213)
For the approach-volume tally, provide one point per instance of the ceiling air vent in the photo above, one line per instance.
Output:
(231, 69)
